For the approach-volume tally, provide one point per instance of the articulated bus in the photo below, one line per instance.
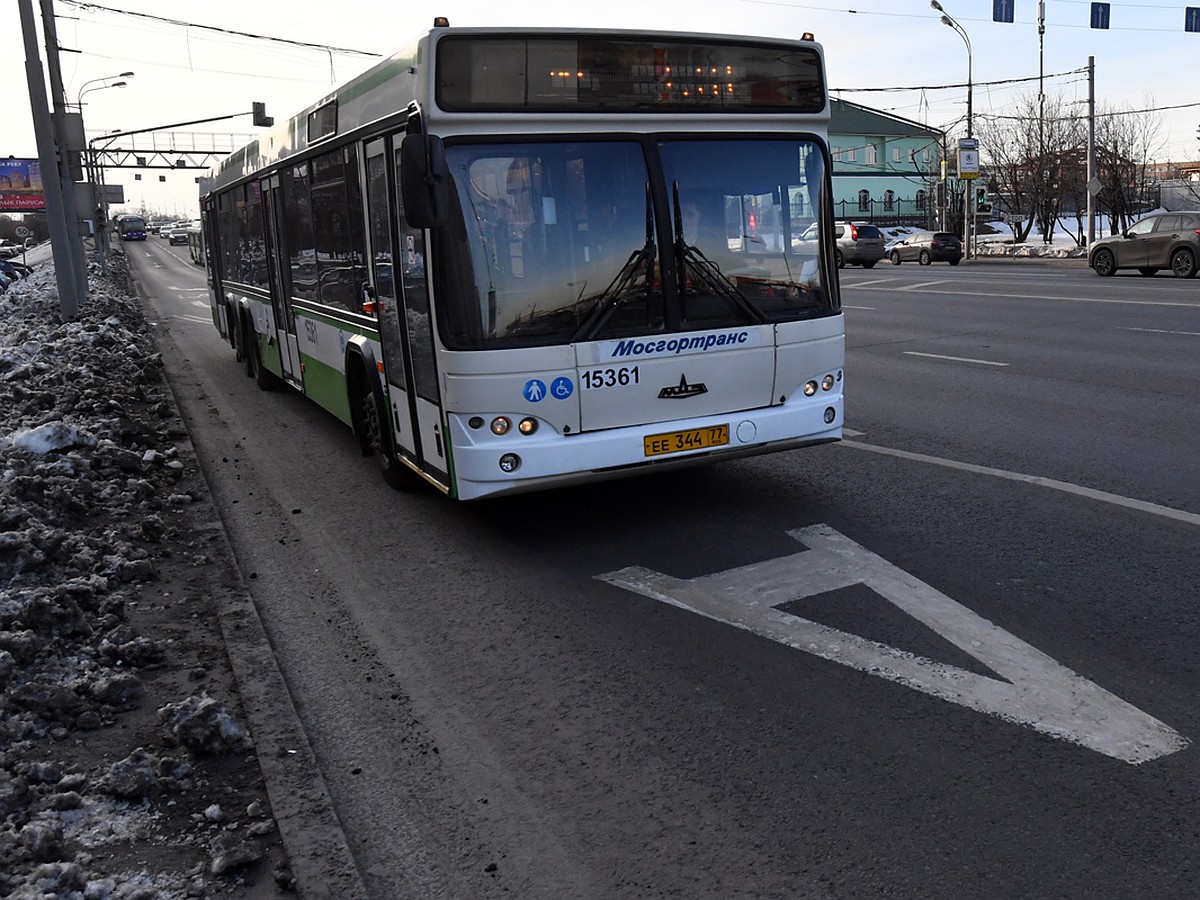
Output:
(515, 259)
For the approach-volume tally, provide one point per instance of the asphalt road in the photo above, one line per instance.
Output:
(953, 656)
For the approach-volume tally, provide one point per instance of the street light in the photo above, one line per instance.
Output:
(949, 20)
(84, 89)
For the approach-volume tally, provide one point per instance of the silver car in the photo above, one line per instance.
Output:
(858, 244)
(1162, 240)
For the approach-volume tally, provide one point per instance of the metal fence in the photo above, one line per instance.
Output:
(916, 213)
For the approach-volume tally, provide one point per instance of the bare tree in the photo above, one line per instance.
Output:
(1033, 156)
(1126, 141)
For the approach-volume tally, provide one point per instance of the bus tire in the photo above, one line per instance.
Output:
(248, 351)
(375, 440)
(263, 377)
(234, 324)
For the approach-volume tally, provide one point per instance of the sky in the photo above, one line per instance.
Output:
(196, 61)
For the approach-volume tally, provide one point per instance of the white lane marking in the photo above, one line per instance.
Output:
(978, 362)
(1040, 693)
(1009, 296)
(846, 306)
(1154, 509)
(1160, 331)
(196, 319)
(924, 284)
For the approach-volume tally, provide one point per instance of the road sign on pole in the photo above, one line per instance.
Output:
(1191, 19)
(1002, 10)
(1100, 14)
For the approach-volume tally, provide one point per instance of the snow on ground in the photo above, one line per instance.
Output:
(121, 776)
(996, 239)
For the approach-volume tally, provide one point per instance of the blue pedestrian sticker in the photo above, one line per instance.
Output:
(561, 388)
(534, 390)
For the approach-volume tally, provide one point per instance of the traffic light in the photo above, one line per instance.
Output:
(983, 206)
(260, 115)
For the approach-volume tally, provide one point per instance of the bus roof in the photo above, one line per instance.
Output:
(391, 87)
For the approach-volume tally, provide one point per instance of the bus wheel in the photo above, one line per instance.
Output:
(234, 319)
(263, 377)
(248, 351)
(375, 440)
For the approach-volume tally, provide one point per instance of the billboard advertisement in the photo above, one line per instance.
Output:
(21, 186)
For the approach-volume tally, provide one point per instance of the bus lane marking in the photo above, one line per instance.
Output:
(1039, 692)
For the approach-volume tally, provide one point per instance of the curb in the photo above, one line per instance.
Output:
(316, 845)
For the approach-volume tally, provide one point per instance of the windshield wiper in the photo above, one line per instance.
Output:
(691, 259)
(625, 285)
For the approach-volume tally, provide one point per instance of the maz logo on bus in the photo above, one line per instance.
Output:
(698, 343)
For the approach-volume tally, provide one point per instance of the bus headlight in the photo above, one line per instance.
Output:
(501, 425)
(527, 425)
(509, 463)
(827, 383)
(830, 415)
(810, 388)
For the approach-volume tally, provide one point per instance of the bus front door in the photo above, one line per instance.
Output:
(405, 329)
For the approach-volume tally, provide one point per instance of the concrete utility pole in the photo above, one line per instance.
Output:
(66, 146)
(63, 233)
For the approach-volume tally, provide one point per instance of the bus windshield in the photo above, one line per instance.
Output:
(586, 239)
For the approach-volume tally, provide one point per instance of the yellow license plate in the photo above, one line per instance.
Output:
(678, 441)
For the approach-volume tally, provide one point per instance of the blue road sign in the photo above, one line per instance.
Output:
(1191, 19)
(1100, 14)
(1002, 10)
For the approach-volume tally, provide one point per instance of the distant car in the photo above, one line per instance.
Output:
(858, 244)
(1162, 240)
(8, 249)
(178, 235)
(926, 248)
(164, 231)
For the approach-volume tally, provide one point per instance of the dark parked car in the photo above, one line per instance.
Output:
(926, 247)
(858, 244)
(1162, 240)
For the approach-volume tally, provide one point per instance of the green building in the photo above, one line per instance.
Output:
(886, 169)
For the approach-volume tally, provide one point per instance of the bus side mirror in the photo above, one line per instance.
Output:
(424, 180)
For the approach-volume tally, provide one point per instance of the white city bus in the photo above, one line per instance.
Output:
(511, 259)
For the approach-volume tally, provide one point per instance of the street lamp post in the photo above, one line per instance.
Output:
(98, 220)
(947, 19)
(84, 89)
